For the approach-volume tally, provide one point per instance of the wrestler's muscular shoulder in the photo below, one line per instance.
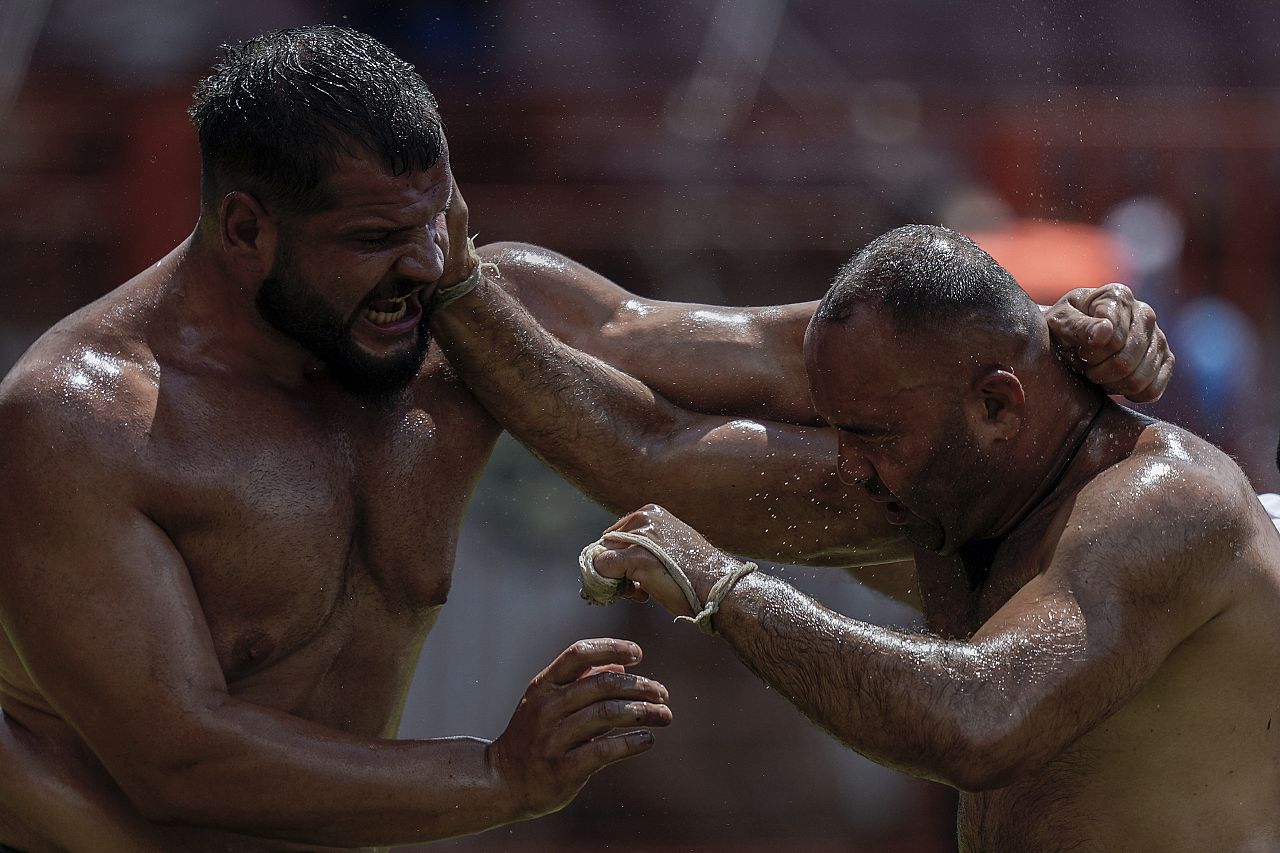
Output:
(278, 502)
(1170, 560)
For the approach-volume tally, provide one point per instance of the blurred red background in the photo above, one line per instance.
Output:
(729, 151)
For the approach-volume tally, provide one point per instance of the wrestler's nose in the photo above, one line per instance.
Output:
(422, 259)
(853, 467)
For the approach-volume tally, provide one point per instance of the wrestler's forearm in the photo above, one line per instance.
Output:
(253, 771)
(757, 488)
(594, 424)
(942, 710)
(719, 360)
(707, 358)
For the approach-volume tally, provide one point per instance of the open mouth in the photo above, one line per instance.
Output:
(394, 315)
(896, 513)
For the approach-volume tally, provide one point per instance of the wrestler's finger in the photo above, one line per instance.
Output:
(1155, 389)
(1114, 372)
(638, 565)
(1111, 318)
(585, 654)
(603, 751)
(605, 686)
(1122, 377)
(628, 522)
(625, 561)
(601, 717)
(1068, 320)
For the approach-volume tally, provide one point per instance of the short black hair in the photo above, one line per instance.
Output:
(929, 279)
(281, 107)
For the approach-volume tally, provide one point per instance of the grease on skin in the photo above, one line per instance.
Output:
(540, 260)
(93, 370)
(708, 317)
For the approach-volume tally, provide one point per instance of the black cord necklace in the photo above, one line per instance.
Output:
(978, 555)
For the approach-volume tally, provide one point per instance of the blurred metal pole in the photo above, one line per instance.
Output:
(729, 69)
(21, 22)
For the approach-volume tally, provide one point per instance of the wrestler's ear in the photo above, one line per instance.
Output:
(997, 405)
(248, 233)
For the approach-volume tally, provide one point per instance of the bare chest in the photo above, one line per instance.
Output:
(319, 539)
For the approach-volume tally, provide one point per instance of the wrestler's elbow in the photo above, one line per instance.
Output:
(159, 795)
(182, 777)
(990, 751)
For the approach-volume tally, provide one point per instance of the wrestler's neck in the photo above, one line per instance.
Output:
(1055, 447)
(207, 313)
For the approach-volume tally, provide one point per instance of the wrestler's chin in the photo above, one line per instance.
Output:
(930, 536)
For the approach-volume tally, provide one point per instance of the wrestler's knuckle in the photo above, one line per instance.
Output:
(1124, 363)
(1119, 292)
(1105, 376)
(657, 511)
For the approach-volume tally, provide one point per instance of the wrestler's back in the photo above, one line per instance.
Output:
(318, 530)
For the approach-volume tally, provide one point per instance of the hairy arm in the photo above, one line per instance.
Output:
(98, 604)
(755, 487)
(708, 358)
(747, 360)
(1070, 647)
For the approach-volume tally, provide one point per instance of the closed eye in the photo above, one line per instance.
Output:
(373, 238)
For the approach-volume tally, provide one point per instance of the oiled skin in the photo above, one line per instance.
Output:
(254, 557)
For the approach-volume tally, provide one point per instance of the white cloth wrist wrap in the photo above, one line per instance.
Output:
(444, 295)
(597, 589)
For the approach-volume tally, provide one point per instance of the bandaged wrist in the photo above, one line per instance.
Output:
(719, 590)
(597, 589)
(444, 295)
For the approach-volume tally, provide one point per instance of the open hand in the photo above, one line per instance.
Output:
(581, 713)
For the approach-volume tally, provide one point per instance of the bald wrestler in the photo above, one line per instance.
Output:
(1100, 588)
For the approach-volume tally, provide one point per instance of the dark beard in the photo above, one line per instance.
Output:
(295, 310)
(958, 462)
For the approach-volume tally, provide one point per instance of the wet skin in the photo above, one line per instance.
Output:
(254, 554)
(1115, 621)
(253, 557)
(1101, 674)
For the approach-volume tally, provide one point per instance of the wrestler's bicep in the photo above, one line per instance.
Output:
(1120, 593)
(100, 608)
(709, 358)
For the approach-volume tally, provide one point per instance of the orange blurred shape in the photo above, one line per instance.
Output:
(1048, 258)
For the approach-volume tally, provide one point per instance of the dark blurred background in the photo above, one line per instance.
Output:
(727, 151)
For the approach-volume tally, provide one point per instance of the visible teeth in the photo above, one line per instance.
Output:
(382, 318)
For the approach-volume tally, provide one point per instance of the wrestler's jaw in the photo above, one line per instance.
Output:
(389, 323)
